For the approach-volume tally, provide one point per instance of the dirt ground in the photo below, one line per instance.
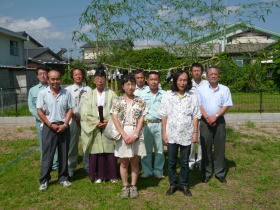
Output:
(269, 130)
(14, 132)
(11, 132)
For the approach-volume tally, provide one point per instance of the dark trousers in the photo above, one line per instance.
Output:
(216, 136)
(102, 166)
(184, 162)
(50, 141)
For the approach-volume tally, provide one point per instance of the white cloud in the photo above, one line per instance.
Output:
(40, 28)
(25, 25)
(200, 21)
(147, 42)
(232, 9)
(165, 12)
(87, 28)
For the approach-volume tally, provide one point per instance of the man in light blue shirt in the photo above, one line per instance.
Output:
(42, 76)
(214, 101)
(140, 82)
(54, 107)
(152, 130)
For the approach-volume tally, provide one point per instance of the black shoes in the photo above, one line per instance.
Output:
(221, 179)
(205, 179)
(171, 190)
(186, 191)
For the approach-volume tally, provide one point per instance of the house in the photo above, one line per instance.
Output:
(37, 55)
(14, 77)
(12, 48)
(12, 61)
(237, 40)
(94, 49)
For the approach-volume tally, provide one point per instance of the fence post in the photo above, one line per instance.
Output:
(16, 105)
(2, 102)
(261, 101)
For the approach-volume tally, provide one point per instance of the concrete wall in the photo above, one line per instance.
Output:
(5, 58)
(15, 85)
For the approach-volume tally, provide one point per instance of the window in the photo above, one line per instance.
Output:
(14, 50)
(239, 63)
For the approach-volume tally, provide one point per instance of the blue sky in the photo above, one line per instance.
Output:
(52, 22)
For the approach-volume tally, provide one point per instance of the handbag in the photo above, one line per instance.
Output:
(111, 132)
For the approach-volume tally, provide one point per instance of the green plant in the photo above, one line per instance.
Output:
(250, 124)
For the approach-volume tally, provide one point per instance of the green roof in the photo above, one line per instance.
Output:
(232, 28)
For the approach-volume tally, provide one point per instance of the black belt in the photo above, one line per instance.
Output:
(154, 121)
(58, 123)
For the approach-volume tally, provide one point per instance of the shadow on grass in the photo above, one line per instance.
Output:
(230, 164)
(144, 183)
(79, 174)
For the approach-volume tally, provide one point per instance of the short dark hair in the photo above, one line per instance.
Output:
(138, 71)
(77, 68)
(100, 71)
(127, 78)
(174, 87)
(198, 65)
(40, 68)
(154, 72)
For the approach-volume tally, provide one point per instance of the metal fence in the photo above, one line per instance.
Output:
(256, 101)
(13, 102)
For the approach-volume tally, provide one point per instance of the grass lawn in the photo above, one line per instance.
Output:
(21, 110)
(250, 102)
(242, 102)
(253, 182)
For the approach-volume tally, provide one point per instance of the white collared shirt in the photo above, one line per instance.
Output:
(77, 92)
(212, 100)
(138, 91)
(100, 98)
(55, 107)
(180, 112)
(197, 85)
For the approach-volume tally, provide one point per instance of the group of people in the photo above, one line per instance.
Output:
(190, 116)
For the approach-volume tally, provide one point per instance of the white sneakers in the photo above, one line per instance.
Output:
(159, 176)
(97, 181)
(43, 186)
(65, 183)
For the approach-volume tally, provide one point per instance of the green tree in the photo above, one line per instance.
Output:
(171, 22)
(66, 78)
(276, 64)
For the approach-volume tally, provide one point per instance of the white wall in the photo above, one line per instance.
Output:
(5, 58)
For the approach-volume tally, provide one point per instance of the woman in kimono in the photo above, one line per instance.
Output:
(128, 115)
(95, 112)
